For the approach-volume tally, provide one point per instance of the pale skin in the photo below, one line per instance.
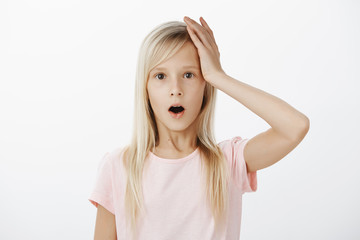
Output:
(176, 80)
(288, 126)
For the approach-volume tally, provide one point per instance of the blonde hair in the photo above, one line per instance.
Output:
(159, 45)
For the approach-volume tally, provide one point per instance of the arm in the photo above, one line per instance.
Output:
(105, 227)
(288, 126)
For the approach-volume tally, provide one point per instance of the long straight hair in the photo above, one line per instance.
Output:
(158, 46)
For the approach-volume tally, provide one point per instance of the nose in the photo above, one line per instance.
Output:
(176, 93)
(176, 90)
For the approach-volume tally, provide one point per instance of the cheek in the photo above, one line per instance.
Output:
(155, 99)
(199, 88)
(152, 91)
(197, 98)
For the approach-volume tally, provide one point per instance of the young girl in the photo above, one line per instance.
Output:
(174, 181)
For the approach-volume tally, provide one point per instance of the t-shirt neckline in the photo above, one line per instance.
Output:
(174, 160)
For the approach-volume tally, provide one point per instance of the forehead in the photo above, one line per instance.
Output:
(186, 57)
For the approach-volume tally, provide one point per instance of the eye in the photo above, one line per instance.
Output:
(158, 75)
(188, 75)
(191, 74)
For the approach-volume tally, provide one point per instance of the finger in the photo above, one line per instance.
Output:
(194, 38)
(203, 35)
(206, 26)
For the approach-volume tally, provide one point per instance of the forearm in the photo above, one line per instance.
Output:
(282, 117)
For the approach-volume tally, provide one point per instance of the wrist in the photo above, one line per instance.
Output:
(216, 77)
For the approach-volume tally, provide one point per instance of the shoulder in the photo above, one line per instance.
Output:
(112, 157)
(116, 153)
(232, 143)
(233, 148)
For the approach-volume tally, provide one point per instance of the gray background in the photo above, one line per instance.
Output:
(67, 71)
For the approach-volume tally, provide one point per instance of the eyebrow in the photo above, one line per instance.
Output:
(162, 68)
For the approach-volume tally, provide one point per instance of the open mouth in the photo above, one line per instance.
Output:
(176, 111)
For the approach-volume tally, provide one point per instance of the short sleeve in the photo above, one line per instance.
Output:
(102, 192)
(247, 181)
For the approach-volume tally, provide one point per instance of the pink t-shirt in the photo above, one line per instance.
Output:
(174, 201)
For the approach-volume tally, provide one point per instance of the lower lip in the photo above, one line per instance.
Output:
(176, 115)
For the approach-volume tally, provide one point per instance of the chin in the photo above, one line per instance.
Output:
(177, 128)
